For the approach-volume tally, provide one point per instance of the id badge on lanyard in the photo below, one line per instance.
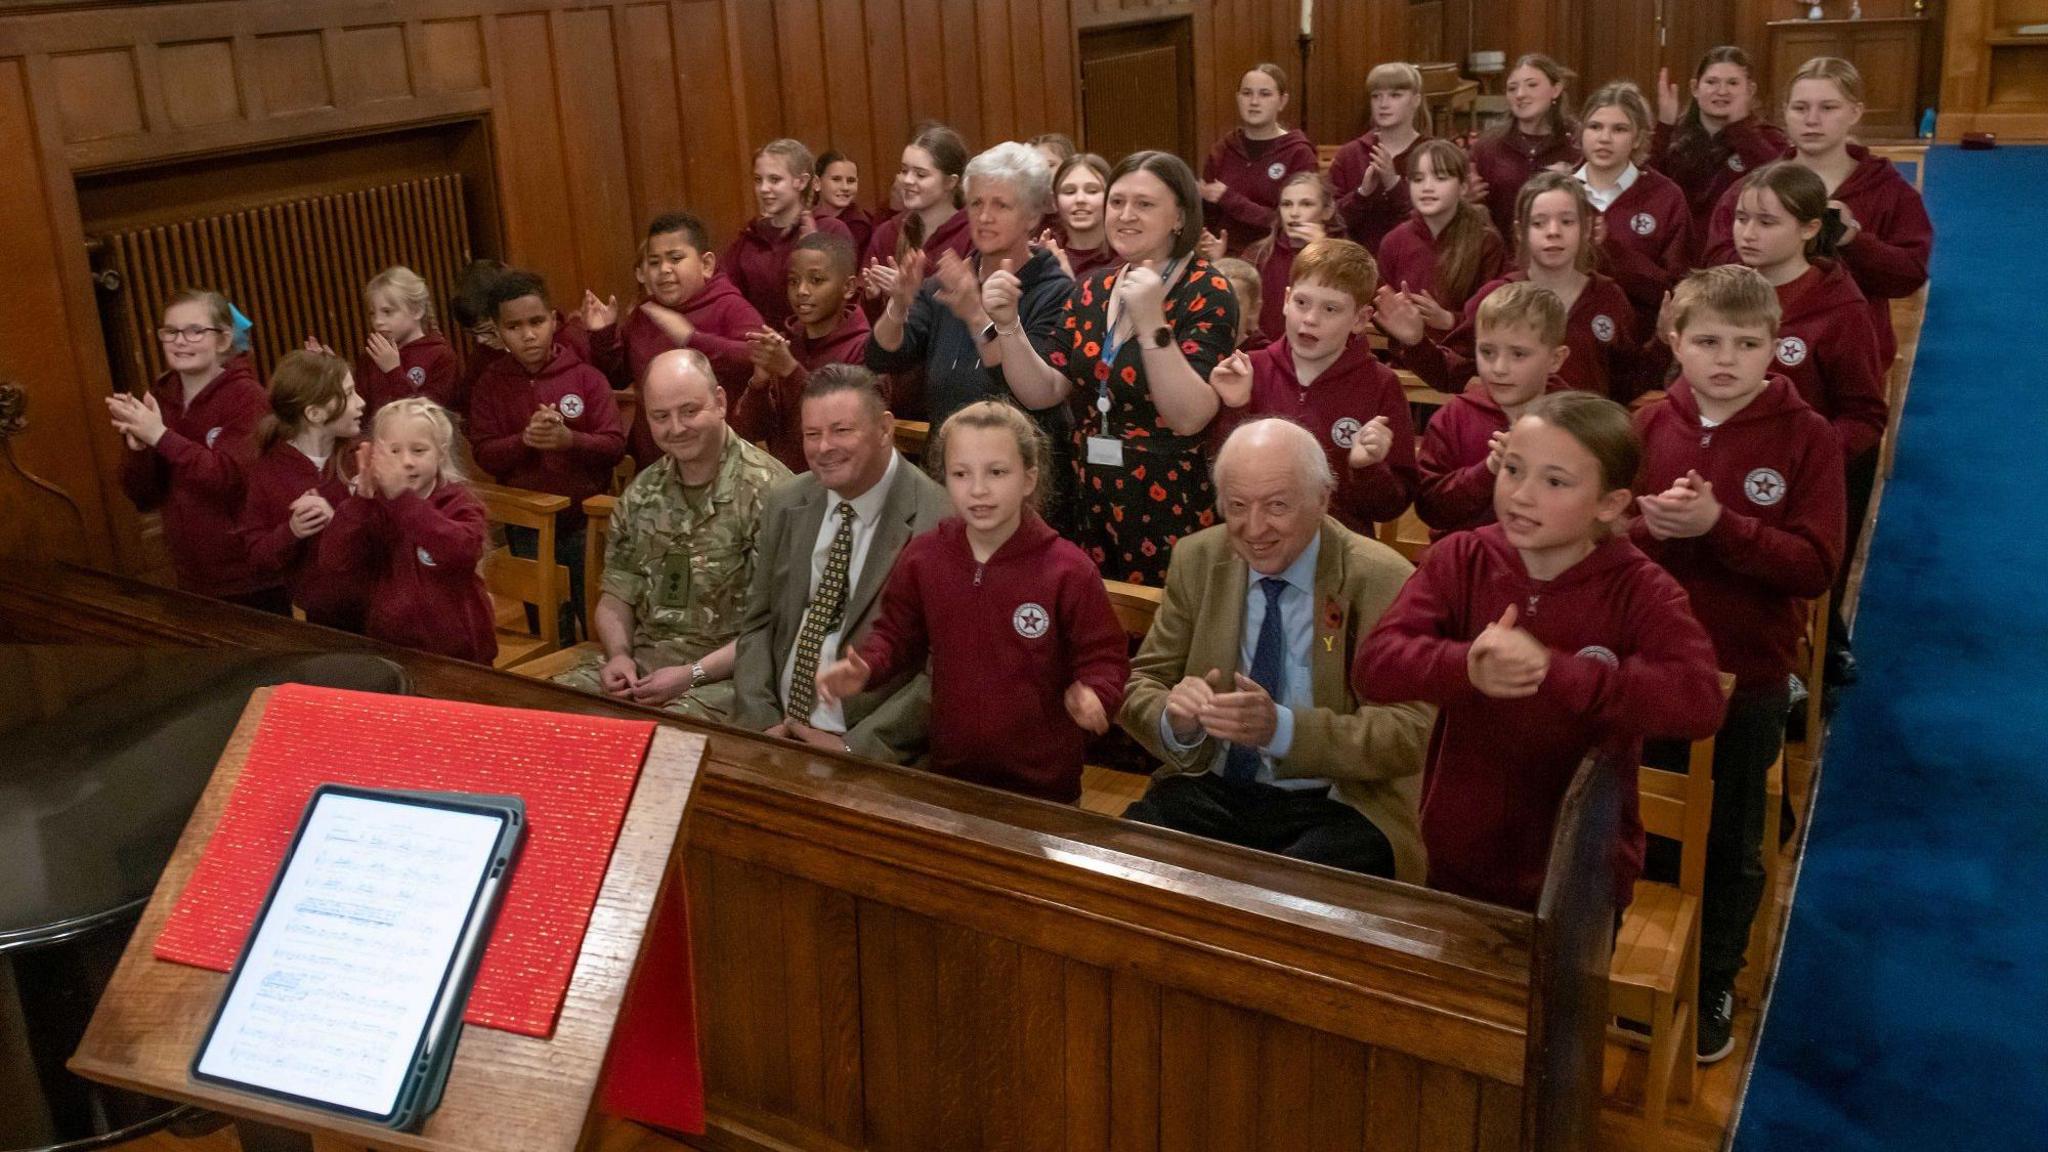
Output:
(1105, 450)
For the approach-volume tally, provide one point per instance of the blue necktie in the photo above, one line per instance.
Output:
(1241, 763)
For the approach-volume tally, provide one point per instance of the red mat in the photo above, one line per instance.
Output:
(576, 774)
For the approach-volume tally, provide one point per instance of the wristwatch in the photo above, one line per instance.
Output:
(697, 675)
(989, 332)
(1161, 337)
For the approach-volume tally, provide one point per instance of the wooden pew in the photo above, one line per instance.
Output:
(883, 955)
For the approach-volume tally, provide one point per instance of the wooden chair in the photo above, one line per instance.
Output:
(1904, 156)
(1654, 976)
(910, 437)
(597, 513)
(1106, 790)
(541, 582)
(1449, 95)
(1409, 535)
(1763, 935)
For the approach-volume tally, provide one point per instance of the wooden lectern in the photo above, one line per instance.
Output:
(506, 1092)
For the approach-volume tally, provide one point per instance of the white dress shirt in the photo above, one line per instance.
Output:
(867, 512)
(1604, 198)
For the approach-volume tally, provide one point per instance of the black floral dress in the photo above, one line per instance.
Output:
(1129, 517)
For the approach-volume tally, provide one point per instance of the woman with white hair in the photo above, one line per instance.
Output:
(934, 318)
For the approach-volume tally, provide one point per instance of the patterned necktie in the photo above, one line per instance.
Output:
(822, 619)
(1241, 763)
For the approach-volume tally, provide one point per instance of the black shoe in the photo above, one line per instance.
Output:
(1839, 669)
(1717, 1026)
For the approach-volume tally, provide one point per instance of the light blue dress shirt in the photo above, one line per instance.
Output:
(1297, 626)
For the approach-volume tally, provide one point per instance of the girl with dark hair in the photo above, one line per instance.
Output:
(1538, 134)
(1717, 138)
(1241, 179)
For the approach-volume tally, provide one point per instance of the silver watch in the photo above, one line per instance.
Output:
(697, 676)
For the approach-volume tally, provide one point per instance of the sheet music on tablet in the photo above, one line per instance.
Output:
(332, 999)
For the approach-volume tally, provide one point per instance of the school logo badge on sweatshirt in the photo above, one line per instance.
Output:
(416, 376)
(1735, 164)
(1603, 329)
(1030, 620)
(1764, 487)
(1275, 170)
(212, 436)
(1642, 223)
(425, 557)
(572, 405)
(1344, 431)
(1791, 351)
(1602, 653)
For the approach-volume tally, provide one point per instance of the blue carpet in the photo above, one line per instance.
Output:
(1912, 1005)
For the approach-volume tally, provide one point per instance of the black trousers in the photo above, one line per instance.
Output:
(1750, 739)
(525, 544)
(1860, 482)
(1305, 825)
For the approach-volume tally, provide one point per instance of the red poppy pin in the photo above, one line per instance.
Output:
(1333, 615)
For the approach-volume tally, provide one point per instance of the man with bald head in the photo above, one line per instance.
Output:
(680, 557)
(1242, 685)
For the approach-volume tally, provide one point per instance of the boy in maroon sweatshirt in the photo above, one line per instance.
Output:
(1027, 657)
(1518, 349)
(1241, 179)
(544, 420)
(688, 304)
(1740, 499)
(186, 454)
(418, 532)
(1541, 639)
(1323, 377)
(1606, 358)
(826, 326)
(757, 260)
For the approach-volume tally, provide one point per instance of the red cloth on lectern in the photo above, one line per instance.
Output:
(575, 774)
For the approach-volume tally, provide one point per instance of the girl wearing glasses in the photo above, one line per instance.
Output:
(189, 437)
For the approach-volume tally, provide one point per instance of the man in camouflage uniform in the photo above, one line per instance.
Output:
(680, 555)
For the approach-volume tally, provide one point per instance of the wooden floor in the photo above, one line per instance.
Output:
(1701, 1125)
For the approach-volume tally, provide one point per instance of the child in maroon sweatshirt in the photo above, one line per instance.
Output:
(1440, 255)
(402, 357)
(1541, 639)
(296, 483)
(1886, 239)
(838, 198)
(1370, 173)
(417, 533)
(1519, 347)
(1557, 251)
(825, 327)
(1026, 654)
(1741, 500)
(1718, 138)
(757, 260)
(1307, 213)
(188, 440)
(1323, 377)
(688, 304)
(1538, 134)
(1242, 177)
(544, 420)
(1646, 234)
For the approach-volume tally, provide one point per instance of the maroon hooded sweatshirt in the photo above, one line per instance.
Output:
(1705, 174)
(757, 263)
(1506, 160)
(1408, 256)
(1368, 219)
(1349, 393)
(505, 401)
(569, 332)
(1252, 172)
(858, 221)
(954, 235)
(722, 318)
(1456, 490)
(1628, 663)
(420, 555)
(1606, 357)
(335, 597)
(1889, 256)
(1276, 275)
(1777, 473)
(1005, 638)
(1647, 243)
(1827, 348)
(426, 367)
(194, 474)
(770, 413)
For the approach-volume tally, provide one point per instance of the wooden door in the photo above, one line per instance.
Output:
(1138, 89)
(1632, 39)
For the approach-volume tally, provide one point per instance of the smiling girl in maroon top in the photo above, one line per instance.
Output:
(1026, 655)
(1079, 233)
(1646, 237)
(1308, 213)
(1541, 639)
(1717, 139)
(1370, 173)
(188, 439)
(757, 260)
(1242, 177)
(836, 196)
(1442, 253)
(933, 216)
(1536, 135)
(297, 481)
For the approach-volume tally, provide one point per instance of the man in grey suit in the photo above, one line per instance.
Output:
(828, 540)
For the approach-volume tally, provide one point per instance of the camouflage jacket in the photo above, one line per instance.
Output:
(685, 564)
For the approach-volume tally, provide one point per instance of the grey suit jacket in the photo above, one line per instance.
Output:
(888, 721)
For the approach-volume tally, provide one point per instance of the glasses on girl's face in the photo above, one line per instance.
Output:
(189, 334)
